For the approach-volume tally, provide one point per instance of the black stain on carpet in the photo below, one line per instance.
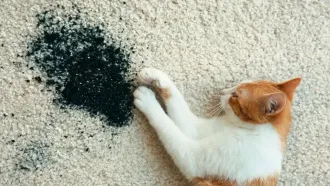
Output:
(87, 69)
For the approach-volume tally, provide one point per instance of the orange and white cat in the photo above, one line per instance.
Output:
(243, 147)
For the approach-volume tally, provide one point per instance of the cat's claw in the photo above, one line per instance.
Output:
(153, 77)
(145, 100)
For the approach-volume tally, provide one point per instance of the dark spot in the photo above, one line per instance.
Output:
(2, 45)
(87, 149)
(38, 79)
(60, 175)
(34, 156)
(31, 68)
(124, 3)
(86, 68)
(27, 80)
(13, 141)
(5, 115)
(65, 136)
(114, 134)
(12, 114)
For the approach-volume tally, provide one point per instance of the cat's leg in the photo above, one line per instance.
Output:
(176, 106)
(176, 143)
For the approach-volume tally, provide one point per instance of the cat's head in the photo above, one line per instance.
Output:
(259, 102)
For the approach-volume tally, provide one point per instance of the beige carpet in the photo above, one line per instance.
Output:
(204, 45)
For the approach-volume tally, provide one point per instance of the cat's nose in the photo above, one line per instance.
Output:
(234, 94)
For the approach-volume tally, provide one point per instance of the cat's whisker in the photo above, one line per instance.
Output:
(215, 107)
(211, 112)
(215, 110)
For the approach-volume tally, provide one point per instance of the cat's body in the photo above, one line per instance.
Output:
(243, 147)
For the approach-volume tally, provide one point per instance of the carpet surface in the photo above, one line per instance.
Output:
(67, 71)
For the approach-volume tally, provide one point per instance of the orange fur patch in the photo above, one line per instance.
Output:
(213, 182)
(268, 181)
(164, 93)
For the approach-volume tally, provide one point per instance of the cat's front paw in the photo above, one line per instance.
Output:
(145, 100)
(154, 77)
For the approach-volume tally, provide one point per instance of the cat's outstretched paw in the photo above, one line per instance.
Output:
(154, 77)
(145, 100)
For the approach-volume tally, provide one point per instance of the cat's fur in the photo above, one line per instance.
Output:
(243, 147)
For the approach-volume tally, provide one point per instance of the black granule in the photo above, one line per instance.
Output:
(38, 79)
(12, 114)
(86, 71)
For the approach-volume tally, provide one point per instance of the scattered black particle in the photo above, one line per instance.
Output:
(120, 18)
(5, 115)
(65, 136)
(114, 134)
(86, 71)
(12, 114)
(2, 45)
(34, 156)
(38, 79)
(124, 3)
(91, 135)
(11, 142)
(87, 149)
(60, 175)
(31, 68)
(27, 80)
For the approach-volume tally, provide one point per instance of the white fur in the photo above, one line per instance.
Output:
(222, 146)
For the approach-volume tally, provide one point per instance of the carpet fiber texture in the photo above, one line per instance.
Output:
(67, 71)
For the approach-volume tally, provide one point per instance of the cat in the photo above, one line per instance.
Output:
(243, 147)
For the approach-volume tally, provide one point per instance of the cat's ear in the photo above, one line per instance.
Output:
(273, 103)
(289, 86)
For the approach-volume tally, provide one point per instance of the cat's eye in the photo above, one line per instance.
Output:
(234, 95)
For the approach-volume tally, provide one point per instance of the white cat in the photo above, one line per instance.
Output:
(243, 147)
